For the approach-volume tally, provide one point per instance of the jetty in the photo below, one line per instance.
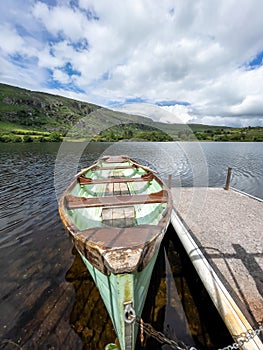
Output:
(221, 231)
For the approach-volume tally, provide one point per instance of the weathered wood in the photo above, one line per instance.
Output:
(228, 178)
(73, 202)
(83, 171)
(114, 179)
(115, 159)
(116, 189)
(124, 188)
(170, 181)
(118, 217)
(117, 213)
(115, 237)
(117, 167)
(103, 246)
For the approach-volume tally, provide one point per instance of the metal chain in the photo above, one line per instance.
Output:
(161, 338)
(245, 337)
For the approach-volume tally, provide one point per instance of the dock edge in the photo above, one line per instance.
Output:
(231, 314)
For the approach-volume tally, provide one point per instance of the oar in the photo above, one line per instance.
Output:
(142, 166)
(83, 171)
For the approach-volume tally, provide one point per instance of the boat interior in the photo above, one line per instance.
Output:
(117, 195)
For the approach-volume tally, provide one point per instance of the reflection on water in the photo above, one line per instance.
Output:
(178, 305)
(37, 305)
(89, 317)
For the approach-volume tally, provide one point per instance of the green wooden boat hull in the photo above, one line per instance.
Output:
(117, 212)
(117, 290)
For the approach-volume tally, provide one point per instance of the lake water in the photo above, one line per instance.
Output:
(48, 300)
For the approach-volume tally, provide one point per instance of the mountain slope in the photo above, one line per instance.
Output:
(46, 117)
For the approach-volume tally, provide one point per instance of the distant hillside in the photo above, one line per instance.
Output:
(35, 116)
(24, 112)
(40, 110)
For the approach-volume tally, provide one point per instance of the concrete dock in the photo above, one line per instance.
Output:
(223, 233)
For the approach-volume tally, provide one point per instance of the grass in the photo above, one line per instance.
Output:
(9, 127)
(11, 132)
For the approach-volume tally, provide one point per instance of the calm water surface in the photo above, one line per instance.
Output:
(48, 300)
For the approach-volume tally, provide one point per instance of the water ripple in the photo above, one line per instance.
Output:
(32, 239)
(28, 198)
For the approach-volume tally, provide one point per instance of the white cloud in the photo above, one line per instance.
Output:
(14, 42)
(166, 114)
(197, 53)
(61, 76)
(61, 19)
(252, 105)
(180, 111)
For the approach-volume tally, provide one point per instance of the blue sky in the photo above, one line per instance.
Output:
(200, 61)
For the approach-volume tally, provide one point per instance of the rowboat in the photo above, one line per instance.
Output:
(117, 212)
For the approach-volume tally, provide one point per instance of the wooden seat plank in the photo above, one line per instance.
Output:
(88, 181)
(73, 202)
(116, 167)
(115, 159)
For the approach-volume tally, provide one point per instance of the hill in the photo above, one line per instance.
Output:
(43, 116)
(35, 116)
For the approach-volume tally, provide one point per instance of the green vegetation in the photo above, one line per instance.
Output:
(249, 134)
(28, 116)
(133, 132)
(14, 133)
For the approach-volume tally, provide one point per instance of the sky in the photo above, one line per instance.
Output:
(201, 61)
